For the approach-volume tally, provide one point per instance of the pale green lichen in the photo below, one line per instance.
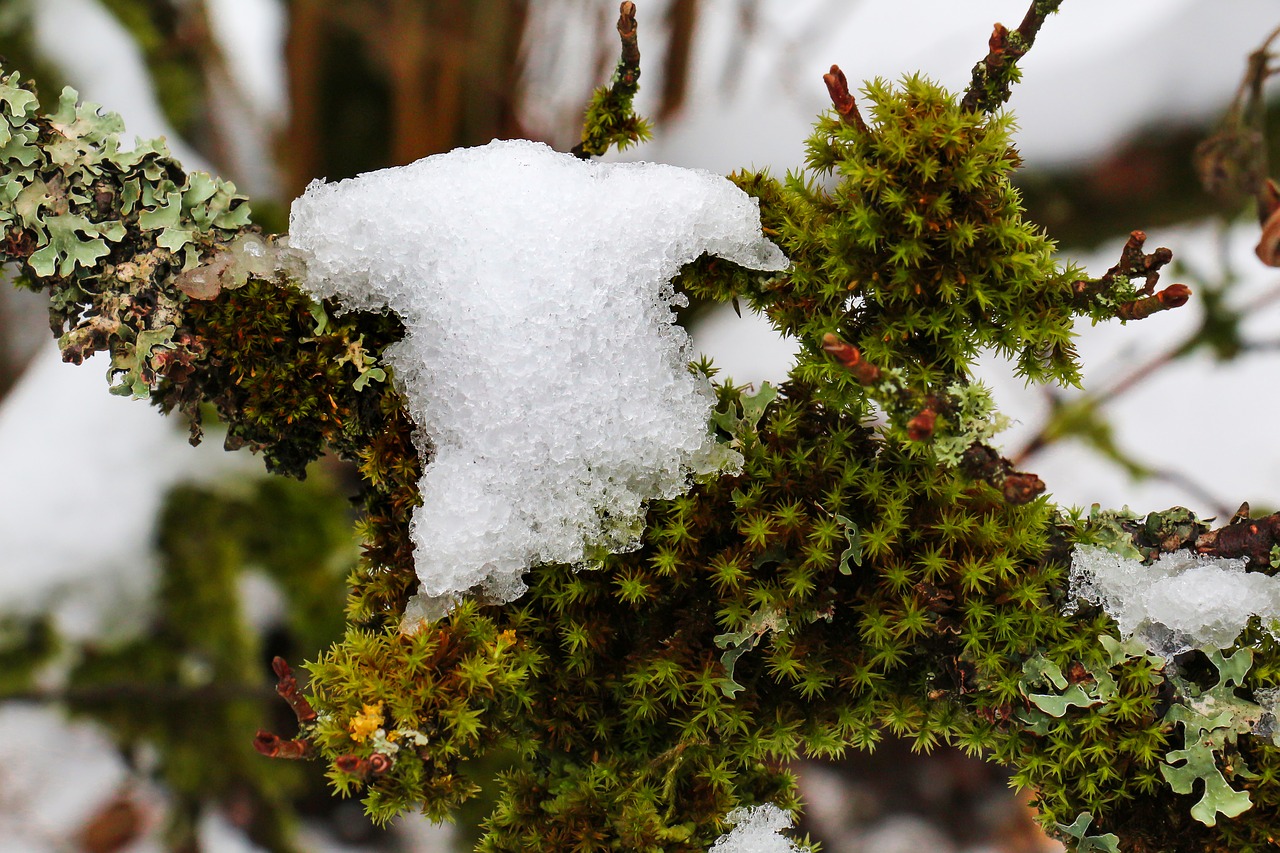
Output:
(974, 420)
(1211, 721)
(107, 230)
(1049, 690)
(1086, 843)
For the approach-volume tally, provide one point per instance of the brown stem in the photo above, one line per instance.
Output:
(1134, 263)
(842, 99)
(287, 687)
(626, 78)
(1251, 538)
(993, 77)
(271, 746)
(1173, 296)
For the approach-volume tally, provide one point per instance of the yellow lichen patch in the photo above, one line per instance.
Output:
(368, 721)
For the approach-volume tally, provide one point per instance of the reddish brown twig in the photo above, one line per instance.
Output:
(993, 76)
(273, 746)
(842, 99)
(1135, 262)
(627, 29)
(1173, 296)
(618, 97)
(1243, 537)
(851, 358)
(287, 687)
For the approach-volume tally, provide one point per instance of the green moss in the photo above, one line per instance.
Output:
(869, 569)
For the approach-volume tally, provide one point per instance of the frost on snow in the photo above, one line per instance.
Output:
(756, 830)
(541, 365)
(1181, 602)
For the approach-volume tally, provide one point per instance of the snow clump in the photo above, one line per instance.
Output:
(756, 830)
(541, 364)
(1182, 601)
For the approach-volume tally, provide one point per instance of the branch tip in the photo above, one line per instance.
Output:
(842, 99)
(627, 29)
(850, 357)
(287, 688)
(273, 746)
(610, 118)
(994, 75)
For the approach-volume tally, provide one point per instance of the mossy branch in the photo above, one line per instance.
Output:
(610, 118)
(896, 577)
(994, 76)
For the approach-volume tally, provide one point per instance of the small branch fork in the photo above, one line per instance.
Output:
(994, 75)
(1243, 537)
(273, 746)
(1134, 263)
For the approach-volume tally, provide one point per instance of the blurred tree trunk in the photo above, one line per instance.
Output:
(379, 83)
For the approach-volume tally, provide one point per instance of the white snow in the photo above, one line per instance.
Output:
(85, 474)
(756, 830)
(1182, 601)
(540, 361)
(251, 35)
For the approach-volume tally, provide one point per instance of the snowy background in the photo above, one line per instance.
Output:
(1100, 71)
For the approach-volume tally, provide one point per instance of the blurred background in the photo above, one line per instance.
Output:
(145, 586)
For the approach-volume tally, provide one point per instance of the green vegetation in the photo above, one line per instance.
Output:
(874, 568)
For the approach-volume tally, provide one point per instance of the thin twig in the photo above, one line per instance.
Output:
(1193, 487)
(994, 75)
(615, 102)
(1148, 368)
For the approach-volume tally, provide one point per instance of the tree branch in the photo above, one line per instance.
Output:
(610, 119)
(994, 76)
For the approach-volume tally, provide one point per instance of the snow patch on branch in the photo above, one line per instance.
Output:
(1182, 601)
(541, 363)
(756, 830)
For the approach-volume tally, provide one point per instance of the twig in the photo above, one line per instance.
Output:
(1193, 487)
(287, 687)
(1148, 368)
(1112, 295)
(610, 119)
(842, 98)
(1232, 163)
(1252, 538)
(274, 746)
(994, 75)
